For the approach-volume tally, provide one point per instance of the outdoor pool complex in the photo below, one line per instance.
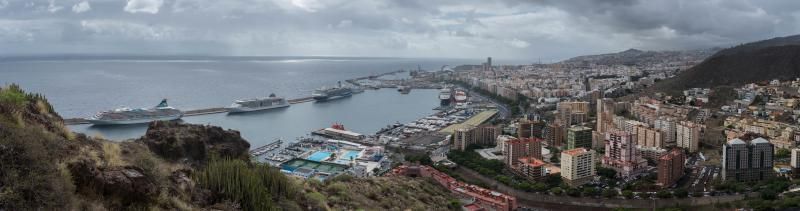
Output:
(345, 158)
(319, 156)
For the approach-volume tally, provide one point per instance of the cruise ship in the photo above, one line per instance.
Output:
(445, 97)
(460, 96)
(325, 94)
(257, 104)
(123, 116)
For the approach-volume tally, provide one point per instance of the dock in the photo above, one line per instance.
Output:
(266, 148)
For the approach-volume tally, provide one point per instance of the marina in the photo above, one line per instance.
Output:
(266, 148)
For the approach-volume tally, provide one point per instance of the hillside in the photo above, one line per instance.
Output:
(175, 166)
(777, 58)
(633, 57)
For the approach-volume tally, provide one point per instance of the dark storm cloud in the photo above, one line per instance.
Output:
(548, 29)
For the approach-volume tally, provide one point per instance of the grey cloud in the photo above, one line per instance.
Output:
(521, 29)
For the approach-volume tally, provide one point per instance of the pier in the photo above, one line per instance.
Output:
(266, 148)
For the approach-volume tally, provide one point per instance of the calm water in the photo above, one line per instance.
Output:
(80, 87)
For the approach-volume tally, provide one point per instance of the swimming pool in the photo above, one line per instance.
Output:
(319, 156)
(350, 155)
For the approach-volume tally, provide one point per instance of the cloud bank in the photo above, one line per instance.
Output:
(514, 29)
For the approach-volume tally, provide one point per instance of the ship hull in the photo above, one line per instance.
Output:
(233, 110)
(132, 121)
(444, 102)
(329, 98)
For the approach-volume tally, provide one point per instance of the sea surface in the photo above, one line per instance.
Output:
(82, 86)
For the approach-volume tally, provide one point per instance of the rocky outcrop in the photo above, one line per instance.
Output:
(127, 183)
(193, 144)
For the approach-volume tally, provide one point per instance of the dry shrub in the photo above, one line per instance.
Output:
(112, 154)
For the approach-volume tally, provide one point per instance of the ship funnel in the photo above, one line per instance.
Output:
(162, 104)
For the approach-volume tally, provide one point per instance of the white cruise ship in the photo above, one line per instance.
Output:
(257, 104)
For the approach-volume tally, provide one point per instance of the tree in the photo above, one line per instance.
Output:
(589, 191)
(573, 192)
(663, 194)
(606, 172)
(783, 153)
(557, 191)
(610, 193)
(768, 194)
(681, 193)
(627, 194)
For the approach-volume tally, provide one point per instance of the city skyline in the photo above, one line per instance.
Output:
(544, 30)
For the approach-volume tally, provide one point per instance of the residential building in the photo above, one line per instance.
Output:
(671, 167)
(481, 135)
(795, 162)
(531, 168)
(577, 166)
(622, 155)
(501, 143)
(651, 153)
(524, 128)
(462, 137)
(648, 137)
(688, 135)
(486, 134)
(523, 147)
(554, 134)
(747, 161)
(579, 136)
(668, 127)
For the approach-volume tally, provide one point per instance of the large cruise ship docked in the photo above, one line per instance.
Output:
(257, 104)
(325, 94)
(445, 97)
(123, 116)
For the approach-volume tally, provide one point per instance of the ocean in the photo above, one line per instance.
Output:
(82, 86)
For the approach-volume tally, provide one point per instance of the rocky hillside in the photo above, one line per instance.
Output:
(44, 166)
(777, 58)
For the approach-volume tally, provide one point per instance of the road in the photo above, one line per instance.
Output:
(503, 111)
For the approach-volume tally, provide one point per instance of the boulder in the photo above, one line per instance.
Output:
(193, 143)
(128, 184)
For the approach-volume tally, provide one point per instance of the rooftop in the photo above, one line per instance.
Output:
(532, 161)
(736, 141)
(759, 141)
(575, 151)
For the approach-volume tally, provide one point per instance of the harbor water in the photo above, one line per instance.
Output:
(364, 113)
(81, 87)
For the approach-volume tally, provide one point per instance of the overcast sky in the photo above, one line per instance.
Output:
(513, 29)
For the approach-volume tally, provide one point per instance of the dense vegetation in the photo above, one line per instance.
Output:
(250, 185)
(496, 169)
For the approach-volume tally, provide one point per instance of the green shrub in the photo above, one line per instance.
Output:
(251, 186)
(12, 96)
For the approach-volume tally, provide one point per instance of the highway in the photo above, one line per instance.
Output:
(503, 111)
